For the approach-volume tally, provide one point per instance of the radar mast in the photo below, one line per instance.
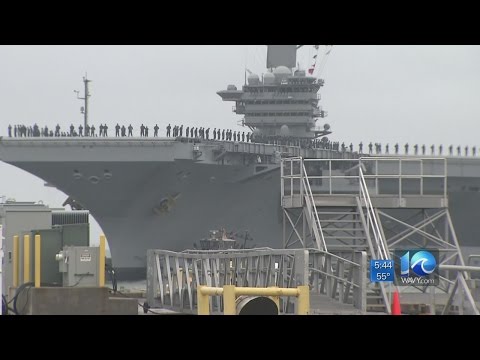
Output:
(84, 109)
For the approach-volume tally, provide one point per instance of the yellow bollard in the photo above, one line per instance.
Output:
(37, 261)
(26, 258)
(203, 302)
(276, 299)
(229, 306)
(303, 300)
(15, 261)
(101, 262)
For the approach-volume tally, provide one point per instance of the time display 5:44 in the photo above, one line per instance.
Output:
(381, 270)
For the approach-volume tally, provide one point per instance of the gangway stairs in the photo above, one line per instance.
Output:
(174, 277)
(376, 205)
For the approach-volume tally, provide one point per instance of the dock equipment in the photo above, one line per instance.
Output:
(377, 205)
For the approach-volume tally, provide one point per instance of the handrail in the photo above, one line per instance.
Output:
(372, 219)
(231, 292)
(173, 278)
(318, 227)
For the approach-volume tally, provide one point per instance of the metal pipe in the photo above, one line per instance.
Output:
(230, 292)
(459, 267)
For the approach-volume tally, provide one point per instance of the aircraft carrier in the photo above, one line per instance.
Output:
(167, 193)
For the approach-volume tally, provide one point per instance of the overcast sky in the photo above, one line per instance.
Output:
(387, 94)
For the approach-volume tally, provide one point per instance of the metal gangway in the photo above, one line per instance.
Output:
(337, 282)
(376, 205)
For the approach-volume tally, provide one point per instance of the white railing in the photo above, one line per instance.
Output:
(312, 209)
(372, 222)
(173, 278)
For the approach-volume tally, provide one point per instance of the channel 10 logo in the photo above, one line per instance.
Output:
(417, 267)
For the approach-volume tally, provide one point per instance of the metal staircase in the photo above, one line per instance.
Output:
(339, 204)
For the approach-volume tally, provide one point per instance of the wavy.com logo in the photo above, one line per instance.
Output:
(417, 267)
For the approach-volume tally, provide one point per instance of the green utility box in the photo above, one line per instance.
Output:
(52, 242)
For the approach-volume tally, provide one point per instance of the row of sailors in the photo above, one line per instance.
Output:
(202, 133)
(417, 149)
(228, 135)
(35, 131)
(324, 143)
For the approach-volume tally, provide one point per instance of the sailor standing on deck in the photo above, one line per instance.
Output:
(123, 131)
(80, 130)
(9, 130)
(117, 130)
(155, 130)
(130, 129)
(168, 130)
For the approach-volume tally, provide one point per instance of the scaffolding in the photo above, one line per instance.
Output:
(377, 205)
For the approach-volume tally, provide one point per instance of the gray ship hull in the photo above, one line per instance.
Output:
(196, 198)
(159, 198)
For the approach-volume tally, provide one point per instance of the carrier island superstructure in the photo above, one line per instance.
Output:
(166, 193)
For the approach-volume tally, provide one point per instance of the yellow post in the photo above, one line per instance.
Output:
(26, 258)
(229, 307)
(37, 260)
(203, 304)
(276, 299)
(15, 261)
(303, 300)
(101, 262)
